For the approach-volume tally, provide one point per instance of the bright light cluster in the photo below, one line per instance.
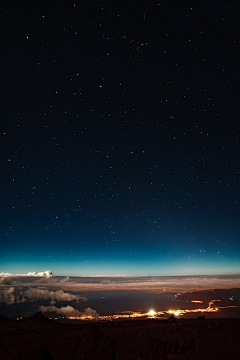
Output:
(150, 314)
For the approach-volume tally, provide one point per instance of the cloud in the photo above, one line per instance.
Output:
(63, 310)
(46, 274)
(5, 274)
(69, 311)
(65, 280)
(33, 294)
(91, 312)
(156, 284)
(7, 296)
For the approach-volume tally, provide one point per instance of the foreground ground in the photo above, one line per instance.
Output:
(40, 338)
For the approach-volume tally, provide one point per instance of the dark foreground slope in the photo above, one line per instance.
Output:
(3, 318)
(38, 338)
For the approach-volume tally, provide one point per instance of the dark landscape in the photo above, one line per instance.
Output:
(37, 337)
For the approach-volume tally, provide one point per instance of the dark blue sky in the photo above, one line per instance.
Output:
(120, 138)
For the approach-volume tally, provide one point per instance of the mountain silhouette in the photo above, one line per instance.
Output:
(3, 318)
(38, 317)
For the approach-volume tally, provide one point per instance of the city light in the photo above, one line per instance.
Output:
(150, 314)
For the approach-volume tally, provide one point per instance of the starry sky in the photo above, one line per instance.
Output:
(120, 138)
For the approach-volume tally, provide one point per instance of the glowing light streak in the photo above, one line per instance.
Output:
(150, 314)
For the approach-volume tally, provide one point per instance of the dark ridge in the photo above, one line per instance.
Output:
(3, 318)
(39, 317)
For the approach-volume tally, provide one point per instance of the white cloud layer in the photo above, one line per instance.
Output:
(11, 295)
(8, 297)
(89, 311)
(156, 284)
(69, 311)
(63, 310)
(33, 294)
(46, 274)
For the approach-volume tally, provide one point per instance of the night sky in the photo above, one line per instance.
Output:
(120, 138)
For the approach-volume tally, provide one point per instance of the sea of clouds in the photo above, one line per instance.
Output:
(43, 286)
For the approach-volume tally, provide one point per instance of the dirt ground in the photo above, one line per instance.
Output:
(40, 338)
